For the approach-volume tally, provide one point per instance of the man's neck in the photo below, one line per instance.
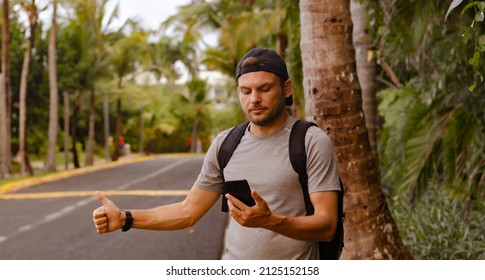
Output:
(269, 129)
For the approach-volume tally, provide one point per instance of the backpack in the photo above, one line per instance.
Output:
(328, 250)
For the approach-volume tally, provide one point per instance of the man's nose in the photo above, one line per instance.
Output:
(255, 97)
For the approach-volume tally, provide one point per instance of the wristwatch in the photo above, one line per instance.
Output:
(128, 221)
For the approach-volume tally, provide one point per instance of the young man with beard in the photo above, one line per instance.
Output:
(276, 227)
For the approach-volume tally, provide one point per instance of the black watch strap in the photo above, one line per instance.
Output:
(128, 221)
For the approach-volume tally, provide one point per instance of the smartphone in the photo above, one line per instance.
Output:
(239, 189)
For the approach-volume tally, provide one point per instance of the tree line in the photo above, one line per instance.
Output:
(397, 85)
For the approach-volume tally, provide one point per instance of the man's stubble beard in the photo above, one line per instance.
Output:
(270, 118)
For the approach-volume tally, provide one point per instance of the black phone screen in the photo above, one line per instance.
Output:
(239, 189)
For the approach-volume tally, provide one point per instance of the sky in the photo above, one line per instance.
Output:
(150, 12)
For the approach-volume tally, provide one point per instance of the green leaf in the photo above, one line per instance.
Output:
(467, 34)
(479, 17)
(469, 6)
(472, 87)
(481, 6)
(475, 60)
(453, 5)
(481, 43)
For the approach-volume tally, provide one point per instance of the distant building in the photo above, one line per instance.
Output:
(218, 86)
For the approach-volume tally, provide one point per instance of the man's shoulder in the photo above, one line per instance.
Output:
(317, 136)
(221, 136)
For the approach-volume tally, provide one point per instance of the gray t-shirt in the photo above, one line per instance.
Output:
(264, 162)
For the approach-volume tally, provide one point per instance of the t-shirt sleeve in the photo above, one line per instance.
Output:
(210, 176)
(321, 165)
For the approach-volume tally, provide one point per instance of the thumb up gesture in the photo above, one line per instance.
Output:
(108, 217)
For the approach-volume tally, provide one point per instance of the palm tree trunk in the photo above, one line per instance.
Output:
(90, 145)
(142, 127)
(6, 164)
(66, 129)
(195, 129)
(116, 153)
(333, 100)
(281, 37)
(75, 111)
(24, 156)
(106, 127)
(50, 164)
(3, 131)
(366, 70)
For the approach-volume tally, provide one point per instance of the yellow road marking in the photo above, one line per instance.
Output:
(44, 195)
(27, 182)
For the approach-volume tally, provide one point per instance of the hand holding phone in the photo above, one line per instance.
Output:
(239, 189)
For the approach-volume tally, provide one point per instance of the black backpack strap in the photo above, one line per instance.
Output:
(229, 145)
(298, 158)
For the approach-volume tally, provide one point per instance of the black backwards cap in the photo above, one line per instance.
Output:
(271, 62)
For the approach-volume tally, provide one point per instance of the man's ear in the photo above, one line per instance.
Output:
(288, 88)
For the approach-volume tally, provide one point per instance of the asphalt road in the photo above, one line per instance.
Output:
(53, 221)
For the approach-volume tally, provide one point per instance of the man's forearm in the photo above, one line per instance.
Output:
(178, 215)
(168, 217)
(308, 228)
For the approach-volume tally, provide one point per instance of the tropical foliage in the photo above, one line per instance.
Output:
(431, 142)
(430, 95)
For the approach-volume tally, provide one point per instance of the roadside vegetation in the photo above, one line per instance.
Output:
(424, 98)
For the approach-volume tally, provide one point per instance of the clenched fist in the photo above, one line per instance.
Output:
(108, 217)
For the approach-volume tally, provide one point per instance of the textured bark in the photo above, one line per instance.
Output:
(6, 135)
(50, 164)
(366, 70)
(3, 131)
(66, 129)
(333, 100)
(25, 167)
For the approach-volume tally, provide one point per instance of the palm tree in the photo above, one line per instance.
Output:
(50, 163)
(366, 69)
(333, 100)
(239, 25)
(32, 12)
(125, 54)
(65, 96)
(84, 48)
(73, 75)
(5, 156)
(92, 16)
(197, 99)
(3, 130)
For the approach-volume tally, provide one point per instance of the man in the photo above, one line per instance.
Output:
(276, 227)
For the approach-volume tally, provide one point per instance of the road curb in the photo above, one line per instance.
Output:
(17, 185)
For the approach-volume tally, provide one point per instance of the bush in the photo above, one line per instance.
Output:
(437, 228)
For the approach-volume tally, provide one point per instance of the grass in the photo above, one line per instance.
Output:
(435, 229)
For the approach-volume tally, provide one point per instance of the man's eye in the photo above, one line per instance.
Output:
(245, 91)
